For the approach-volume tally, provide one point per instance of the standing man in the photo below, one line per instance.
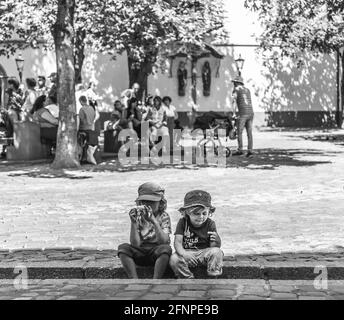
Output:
(243, 102)
(87, 119)
(127, 94)
(53, 89)
(41, 87)
(14, 106)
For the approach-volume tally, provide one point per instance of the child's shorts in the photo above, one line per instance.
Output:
(146, 255)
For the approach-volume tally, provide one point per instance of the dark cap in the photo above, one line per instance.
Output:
(238, 79)
(53, 75)
(167, 98)
(197, 198)
(150, 191)
(41, 77)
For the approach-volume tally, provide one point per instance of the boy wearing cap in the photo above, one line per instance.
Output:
(149, 234)
(196, 240)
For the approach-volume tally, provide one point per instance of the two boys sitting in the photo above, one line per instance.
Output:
(196, 240)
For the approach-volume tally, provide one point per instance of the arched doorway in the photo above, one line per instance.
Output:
(3, 85)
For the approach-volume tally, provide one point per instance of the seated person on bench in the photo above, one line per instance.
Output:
(87, 119)
(134, 116)
(47, 122)
(158, 123)
(116, 124)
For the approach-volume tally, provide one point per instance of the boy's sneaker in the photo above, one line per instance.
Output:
(249, 154)
(214, 274)
(237, 153)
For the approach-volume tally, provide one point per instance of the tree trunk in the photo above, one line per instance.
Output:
(342, 92)
(66, 150)
(79, 54)
(139, 74)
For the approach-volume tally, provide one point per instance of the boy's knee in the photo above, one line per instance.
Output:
(174, 260)
(124, 248)
(215, 251)
(163, 249)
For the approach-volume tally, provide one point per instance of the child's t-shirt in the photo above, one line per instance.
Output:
(147, 229)
(196, 238)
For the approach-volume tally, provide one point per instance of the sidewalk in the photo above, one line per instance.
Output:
(132, 290)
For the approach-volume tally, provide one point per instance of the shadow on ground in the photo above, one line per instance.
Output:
(264, 159)
(337, 139)
(42, 171)
(295, 129)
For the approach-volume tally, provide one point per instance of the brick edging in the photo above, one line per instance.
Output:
(230, 271)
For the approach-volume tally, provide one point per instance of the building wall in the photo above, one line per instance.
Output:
(279, 90)
(283, 95)
(110, 75)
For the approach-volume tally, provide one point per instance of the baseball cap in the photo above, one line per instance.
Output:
(197, 198)
(150, 191)
(238, 79)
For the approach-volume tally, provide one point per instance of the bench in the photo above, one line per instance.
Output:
(6, 141)
(111, 143)
(27, 143)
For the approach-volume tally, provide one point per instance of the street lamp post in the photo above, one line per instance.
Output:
(20, 67)
(239, 64)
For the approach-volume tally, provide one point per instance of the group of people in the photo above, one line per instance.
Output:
(196, 243)
(37, 102)
(21, 101)
(162, 116)
(159, 113)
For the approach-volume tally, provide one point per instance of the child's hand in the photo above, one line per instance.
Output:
(148, 214)
(190, 259)
(213, 236)
(133, 215)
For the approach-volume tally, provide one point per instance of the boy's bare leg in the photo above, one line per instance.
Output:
(160, 266)
(129, 266)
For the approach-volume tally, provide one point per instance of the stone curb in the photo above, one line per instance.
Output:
(77, 270)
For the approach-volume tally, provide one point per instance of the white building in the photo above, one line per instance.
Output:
(283, 95)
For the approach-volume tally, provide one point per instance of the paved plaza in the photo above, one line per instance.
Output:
(288, 198)
(280, 211)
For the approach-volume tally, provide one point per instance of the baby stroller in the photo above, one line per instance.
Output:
(210, 123)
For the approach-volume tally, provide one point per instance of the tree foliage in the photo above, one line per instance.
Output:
(143, 27)
(297, 26)
(30, 23)
(147, 30)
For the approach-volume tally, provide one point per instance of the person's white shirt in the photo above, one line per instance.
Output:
(31, 97)
(170, 111)
(53, 109)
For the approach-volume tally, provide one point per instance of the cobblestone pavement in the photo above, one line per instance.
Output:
(170, 290)
(288, 198)
(108, 258)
